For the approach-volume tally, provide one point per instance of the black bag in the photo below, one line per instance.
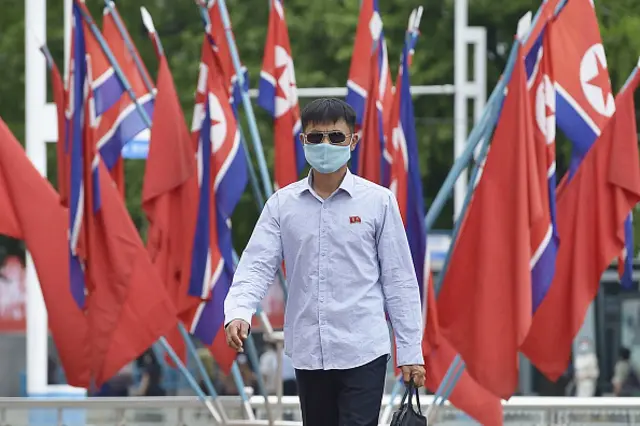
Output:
(406, 414)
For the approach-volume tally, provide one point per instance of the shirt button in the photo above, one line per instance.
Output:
(324, 206)
(324, 254)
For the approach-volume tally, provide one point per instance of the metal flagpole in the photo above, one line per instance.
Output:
(110, 7)
(246, 102)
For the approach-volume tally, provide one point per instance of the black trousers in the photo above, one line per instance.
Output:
(342, 397)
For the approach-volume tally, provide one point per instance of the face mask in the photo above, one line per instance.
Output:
(327, 158)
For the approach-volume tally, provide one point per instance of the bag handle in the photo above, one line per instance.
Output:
(411, 389)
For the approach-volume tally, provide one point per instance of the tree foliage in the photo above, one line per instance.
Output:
(322, 35)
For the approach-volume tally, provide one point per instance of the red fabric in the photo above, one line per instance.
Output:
(286, 108)
(59, 97)
(128, 308)
(467, 395)
(370, 146)
(117, 174)
(592, 208)
(360, 69)
(170, 197)
(485, 311)
(396, 143)
(31, 211)
(121, 51)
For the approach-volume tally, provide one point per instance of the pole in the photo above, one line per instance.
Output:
(35, 99)
(460, 124)
(192, 382)
(111, 8)
(246, 102)
(203, 372)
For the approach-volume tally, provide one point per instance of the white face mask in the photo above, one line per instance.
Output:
(327, 158)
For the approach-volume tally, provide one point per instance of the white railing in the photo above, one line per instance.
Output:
(188, 411)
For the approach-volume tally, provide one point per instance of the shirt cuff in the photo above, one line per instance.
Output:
(238, 313)
(410, 355)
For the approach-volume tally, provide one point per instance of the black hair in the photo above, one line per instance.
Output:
(625, 354)
(328, 111)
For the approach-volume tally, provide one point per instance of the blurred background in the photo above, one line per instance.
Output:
(322, 37)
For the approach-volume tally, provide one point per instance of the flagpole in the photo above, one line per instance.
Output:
(246, 102)
(190, 379)
(147, 21)
(110, 6)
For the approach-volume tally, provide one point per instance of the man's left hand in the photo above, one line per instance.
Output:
(415, 372)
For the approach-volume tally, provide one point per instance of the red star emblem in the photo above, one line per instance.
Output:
(601, 80)
(548, 112)
(279, 89)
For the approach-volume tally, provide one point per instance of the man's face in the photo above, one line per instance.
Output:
(337, 133)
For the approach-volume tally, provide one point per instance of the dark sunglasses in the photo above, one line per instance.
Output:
(335, 137)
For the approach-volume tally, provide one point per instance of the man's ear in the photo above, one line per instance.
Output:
(355, 138)
(301, 137)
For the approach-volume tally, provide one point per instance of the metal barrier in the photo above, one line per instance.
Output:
(188, 411)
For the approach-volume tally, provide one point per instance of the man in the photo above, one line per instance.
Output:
(269, 367)
(347, 258)
(625, 380)
(586, 369)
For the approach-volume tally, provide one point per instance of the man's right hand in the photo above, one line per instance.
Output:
(237, 331)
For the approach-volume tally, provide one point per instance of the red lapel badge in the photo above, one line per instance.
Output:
(354, 219)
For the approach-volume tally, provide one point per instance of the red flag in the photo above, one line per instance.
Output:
(592, 208)
(438, 353)
(278, 95)
(170, 197)
(370, 146)
(30, 210)
(485, 310)
(128, 309)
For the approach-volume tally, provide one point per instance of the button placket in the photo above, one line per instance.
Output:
(321, 273)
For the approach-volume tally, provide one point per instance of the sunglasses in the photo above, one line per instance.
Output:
(335, 137)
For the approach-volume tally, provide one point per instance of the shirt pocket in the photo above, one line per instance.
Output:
(357, 229)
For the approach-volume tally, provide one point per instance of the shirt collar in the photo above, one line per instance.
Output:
(347, 184)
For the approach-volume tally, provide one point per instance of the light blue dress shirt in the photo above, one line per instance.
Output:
(346, 258)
